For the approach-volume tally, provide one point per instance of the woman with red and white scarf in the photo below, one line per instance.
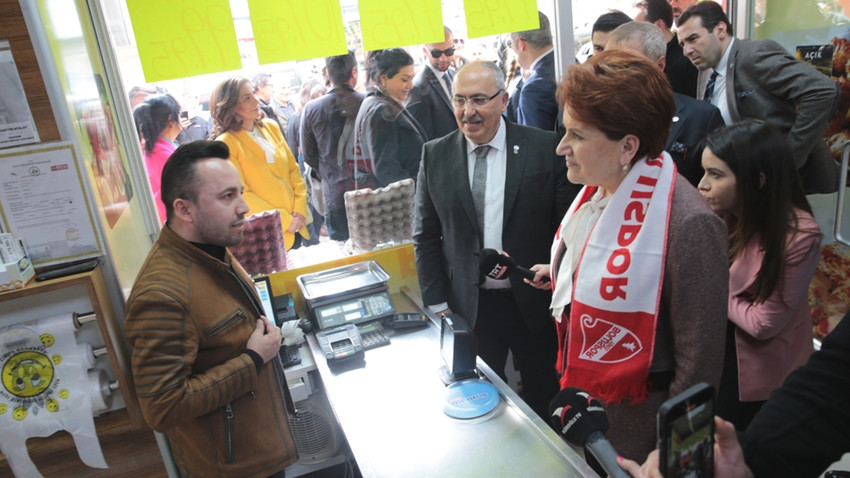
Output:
(639, 266)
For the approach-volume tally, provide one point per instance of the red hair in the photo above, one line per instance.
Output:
(621, 92)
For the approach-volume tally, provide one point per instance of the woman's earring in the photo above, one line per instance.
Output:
(626, 167)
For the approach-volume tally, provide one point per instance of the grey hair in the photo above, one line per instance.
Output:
(538, 38)
(649, 35)
(498, 74)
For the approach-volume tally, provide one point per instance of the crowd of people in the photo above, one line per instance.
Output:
(657, 191)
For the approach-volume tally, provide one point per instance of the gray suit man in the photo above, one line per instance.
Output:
(525, 197)
(759, 79)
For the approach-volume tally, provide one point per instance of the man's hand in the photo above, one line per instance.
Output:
(265, 340)
(728, 456)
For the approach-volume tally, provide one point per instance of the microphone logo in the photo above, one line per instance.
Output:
(498, 271)
(561, 412)
(605, 342)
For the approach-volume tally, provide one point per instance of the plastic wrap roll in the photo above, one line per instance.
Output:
(46, 389)
(101, 394)
(87, 353)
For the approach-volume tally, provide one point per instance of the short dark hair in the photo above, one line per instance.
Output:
(607, 22)
(386, 62)
(260, 80)
(539, 37)
(340, 66)
(711, 13)
(180, 173)
(659, 10)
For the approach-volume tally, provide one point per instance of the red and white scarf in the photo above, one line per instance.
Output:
(615, 285)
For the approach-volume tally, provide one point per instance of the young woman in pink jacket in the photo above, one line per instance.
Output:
(774, 246)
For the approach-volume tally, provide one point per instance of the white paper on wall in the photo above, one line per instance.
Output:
(45, 388)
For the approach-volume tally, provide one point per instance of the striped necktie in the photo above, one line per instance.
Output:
(479, 186)
(709, 87)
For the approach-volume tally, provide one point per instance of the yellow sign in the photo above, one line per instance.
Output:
(180, 38)
(286, 30)
(492, 17)
(400, 23)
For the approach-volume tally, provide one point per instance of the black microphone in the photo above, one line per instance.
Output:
(581, 420)
(498, 266)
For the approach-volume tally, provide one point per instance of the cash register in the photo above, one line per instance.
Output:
(346, 305)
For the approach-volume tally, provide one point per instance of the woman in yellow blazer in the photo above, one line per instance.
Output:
(268, 168)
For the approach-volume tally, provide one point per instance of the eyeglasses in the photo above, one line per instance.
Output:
(438, 53)
(475, 101)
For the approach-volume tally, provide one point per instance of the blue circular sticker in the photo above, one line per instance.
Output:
(470, 398)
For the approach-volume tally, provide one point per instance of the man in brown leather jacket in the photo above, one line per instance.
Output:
(205, 361)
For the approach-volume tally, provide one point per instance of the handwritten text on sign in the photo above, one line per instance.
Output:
(492, 17)
(181, 38)
(286, 30)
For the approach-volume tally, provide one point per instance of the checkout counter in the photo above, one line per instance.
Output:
(389, 406)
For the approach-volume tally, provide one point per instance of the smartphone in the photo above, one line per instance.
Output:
(686, 434)
(184, 114)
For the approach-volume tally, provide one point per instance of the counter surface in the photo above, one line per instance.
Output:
(391, 412)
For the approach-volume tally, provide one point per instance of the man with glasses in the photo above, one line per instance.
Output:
(492, 184)
(536, 105)
(430, 101)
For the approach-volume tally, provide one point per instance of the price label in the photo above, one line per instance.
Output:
(286, 30)
(400, 23)
(492, 17)
(182, 38)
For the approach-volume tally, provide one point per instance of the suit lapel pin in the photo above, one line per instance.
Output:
(675, 119)
(516, 149)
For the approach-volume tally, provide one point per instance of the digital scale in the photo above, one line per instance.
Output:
(345, 295)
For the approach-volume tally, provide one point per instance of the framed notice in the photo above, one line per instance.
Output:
(43, 200)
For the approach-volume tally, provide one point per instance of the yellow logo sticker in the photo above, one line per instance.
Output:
(47, 340)
(27, 374)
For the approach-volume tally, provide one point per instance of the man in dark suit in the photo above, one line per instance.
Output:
(536, 105)
(759, 79)
(679, 70)
(521, 199)
(693, 119)
(430, 100)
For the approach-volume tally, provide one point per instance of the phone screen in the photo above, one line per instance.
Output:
(688, 441)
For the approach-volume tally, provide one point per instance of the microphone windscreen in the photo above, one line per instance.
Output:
(495, 265)
(575, 414)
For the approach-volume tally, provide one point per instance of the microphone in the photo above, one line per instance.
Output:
(497, 266)
(581, 420)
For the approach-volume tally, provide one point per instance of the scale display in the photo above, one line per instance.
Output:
(355, 310)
